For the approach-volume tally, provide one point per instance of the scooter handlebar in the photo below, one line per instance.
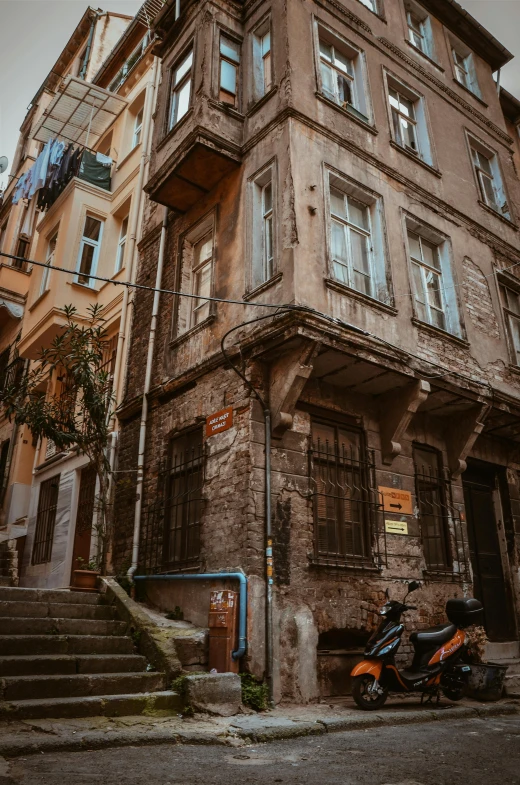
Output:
(411, 607)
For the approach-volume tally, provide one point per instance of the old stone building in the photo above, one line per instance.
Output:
(350, 159)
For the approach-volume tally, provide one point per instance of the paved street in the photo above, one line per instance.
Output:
(475, 751)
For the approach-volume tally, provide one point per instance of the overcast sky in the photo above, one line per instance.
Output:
(33, 32)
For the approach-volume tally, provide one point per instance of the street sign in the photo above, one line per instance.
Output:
(396, 527)
(220, 421)
(396, 501)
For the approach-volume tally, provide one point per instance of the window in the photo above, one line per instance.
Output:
(45, 520)
(181, 90)
(262, 62)
(464, 66)
(120, 256)
(229, 64)
(89, 251)
(184, 501)
(427, 280)
(357, 251)
(196, 276)
(339, 473)
(22, 249)
(202, 278)
(342, 74)
(487, 171)
(419, 29)
(3, 235)
(372, 4)
(263, 228)
(51, 249)
(408, 120)
(511, 303)
(430, 485)
(4, 472)
(404, 121)
(138, 127)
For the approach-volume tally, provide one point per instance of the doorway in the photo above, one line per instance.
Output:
(84, 518)
(482, 501)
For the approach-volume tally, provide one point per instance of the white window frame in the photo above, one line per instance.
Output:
(96, 245)
(509, 293)
(233, 62)
(186, 315)
(499, 203)
(182, 75)
(51, 251)
(262, 60)
(372, 5)
(419, 32)
(120, 255)
(463, 63)
(263, 222)
(447, 288)
(199, 265)
(357, 76)
(419, 120)
(374, 234)
(138, 127)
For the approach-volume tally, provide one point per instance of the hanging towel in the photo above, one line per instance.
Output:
(104, 159)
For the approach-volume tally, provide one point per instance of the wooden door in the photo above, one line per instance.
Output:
(84, 516)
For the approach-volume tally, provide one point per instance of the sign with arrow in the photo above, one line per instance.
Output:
(396, 501)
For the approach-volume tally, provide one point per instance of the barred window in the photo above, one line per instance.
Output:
(45, 520)
(340, 477)
(430, 484)
(184, 501)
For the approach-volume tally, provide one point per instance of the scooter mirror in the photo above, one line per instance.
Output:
(413, 586)
(387, 594)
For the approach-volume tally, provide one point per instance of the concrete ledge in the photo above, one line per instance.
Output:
(18, 738)
(154, 643)
(214, 693)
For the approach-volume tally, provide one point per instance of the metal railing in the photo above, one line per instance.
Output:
(348, 525)
(130, 63)
(12, 374)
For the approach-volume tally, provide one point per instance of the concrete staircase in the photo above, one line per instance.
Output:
(66, 654)
(507, 654)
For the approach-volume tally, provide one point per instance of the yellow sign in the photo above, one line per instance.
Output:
(396, 501)
(396, 527)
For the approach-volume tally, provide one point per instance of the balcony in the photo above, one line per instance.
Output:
(14, 285)
(11, 375)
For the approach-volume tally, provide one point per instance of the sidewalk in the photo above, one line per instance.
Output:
(31, 736)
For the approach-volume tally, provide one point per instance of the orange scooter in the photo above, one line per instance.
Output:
(438, 663)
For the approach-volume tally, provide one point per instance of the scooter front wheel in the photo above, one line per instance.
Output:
(367, 694)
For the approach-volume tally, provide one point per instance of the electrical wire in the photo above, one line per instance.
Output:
(276, 307)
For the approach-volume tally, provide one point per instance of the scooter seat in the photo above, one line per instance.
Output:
(433, 637)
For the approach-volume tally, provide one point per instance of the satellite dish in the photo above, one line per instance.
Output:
(3, 163)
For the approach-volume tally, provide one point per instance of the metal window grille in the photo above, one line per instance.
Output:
(441, 532)
(109, 364)
(183, 508)
(345, 500)
(11, 375)
(45, 520)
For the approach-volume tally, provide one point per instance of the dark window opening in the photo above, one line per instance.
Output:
(183, 509)
(45, 520)
(342, 510)
(431, 489)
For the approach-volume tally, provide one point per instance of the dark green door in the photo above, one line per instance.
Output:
(485, 553)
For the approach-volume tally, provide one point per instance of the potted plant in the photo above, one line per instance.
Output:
(85, 577)
(486, 681)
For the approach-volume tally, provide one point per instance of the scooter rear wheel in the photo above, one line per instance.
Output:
(364, 697)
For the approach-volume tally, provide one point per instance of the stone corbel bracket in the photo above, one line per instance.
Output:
(462, 432)
(395, 414)
(287, 379)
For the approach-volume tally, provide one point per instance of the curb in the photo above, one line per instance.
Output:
(96, 740)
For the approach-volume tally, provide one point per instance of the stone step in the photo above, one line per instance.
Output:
(52, 626)
(18, 594)
(67, 664)
(98, 706)
(495, 652)
(62, 610)
(18, 688)
(12, 645)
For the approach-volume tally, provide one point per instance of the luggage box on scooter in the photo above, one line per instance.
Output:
(464, 612)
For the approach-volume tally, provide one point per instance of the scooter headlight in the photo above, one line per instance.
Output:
(384, 610)
(388, 648)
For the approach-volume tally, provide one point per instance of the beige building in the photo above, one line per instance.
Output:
(353, 159)
(86, 220)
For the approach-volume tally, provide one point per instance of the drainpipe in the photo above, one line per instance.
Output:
(132, 229)
(498, 80)
(207, 576)
(177, 9)
(144, 408)
(84, 67)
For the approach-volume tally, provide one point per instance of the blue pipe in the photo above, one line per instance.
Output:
(209, 576)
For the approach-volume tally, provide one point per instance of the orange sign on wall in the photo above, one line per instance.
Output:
(395, 500)
(220, 421)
